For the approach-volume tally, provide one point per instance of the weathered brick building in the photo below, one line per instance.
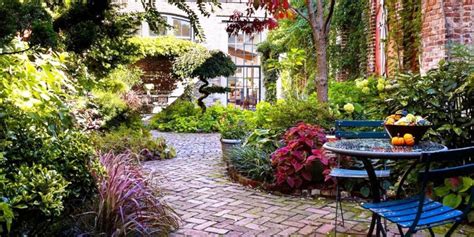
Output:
(443, 23)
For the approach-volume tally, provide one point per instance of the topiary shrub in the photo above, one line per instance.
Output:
(204, 65)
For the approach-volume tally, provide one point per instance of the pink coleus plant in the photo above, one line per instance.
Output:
(294, 162)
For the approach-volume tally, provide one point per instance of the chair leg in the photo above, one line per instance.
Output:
(337, 203)
(400, 230)
(453, 228)
(431, 232)
(340, 207)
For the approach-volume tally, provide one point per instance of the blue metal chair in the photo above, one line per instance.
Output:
(420, 212)
(342, 132)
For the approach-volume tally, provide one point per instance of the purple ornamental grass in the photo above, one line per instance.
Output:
(127, 204)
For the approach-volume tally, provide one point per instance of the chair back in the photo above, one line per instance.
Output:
(462, 159)
(369, 132)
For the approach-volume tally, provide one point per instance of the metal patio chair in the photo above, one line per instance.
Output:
(420, 212)
(341, 132)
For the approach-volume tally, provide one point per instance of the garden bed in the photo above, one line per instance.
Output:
(237, 177)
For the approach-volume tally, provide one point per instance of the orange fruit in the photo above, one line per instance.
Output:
(409, 139)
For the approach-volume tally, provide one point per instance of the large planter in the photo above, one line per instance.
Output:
(227, 146)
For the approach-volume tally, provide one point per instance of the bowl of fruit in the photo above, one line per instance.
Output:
(407, 127)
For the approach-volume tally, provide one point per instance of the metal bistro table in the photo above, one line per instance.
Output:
(366, 149)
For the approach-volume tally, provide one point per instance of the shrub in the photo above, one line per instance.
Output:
(286, 113)
(184, 116)
(301, 161)
(263, 139)
(37, 188)
(444, 96)
(127, 204)
(252, 163)
(365, 95)
(132, 140)
(232, 123)
(110, 105)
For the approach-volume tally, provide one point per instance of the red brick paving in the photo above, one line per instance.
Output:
(196, 186)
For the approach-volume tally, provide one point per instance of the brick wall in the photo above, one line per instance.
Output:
(371, 38)
(445, 22)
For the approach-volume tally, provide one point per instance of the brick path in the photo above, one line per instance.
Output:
(196, 186)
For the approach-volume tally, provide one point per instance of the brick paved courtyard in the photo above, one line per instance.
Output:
(196, 186)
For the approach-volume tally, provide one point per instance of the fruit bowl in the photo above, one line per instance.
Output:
(400, 130)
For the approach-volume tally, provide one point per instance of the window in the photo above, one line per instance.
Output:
(182, 28)
(245, 85)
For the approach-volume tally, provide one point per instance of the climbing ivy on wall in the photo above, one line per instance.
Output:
(349, 34)
(269, 54)
(404, 31)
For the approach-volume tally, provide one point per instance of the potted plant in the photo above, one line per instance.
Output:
(232, 132)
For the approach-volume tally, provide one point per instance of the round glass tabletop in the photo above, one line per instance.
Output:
(381, 148)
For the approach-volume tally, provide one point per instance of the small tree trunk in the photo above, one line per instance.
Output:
(204, 96)
(321, 77)
(319, 32)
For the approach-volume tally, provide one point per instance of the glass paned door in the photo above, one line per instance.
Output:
(244, 87)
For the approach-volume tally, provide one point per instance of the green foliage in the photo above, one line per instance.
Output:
(294, 72)
(350, 22)
(185, 64)
(252, 163)
(443, 97)
(286, 113)
(36, 87)
(37, 188)
(137, 141)
(44, 161)
(269, 53)
(110, 105)
(366, 95)
(167, 46)
(184, 116)
(455, 192)
(22, 17)
(405, 20)
(217, 65)
(263, 139)
(6, 216)
(232, 124)
(99, 34)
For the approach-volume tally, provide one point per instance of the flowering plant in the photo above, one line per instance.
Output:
(302, 160)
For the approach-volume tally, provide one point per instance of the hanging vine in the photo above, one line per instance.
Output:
(404, 31)
(349, 34)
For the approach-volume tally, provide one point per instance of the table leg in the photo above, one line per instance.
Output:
(374, 188)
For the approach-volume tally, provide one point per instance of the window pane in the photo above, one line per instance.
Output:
(186, 29)
(177, 27)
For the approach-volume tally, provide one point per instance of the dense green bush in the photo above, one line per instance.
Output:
(444, 96)
(286, 113)
(41, 153)
(365, 95)
(136, 141)
(184, 116)
(252, 162)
